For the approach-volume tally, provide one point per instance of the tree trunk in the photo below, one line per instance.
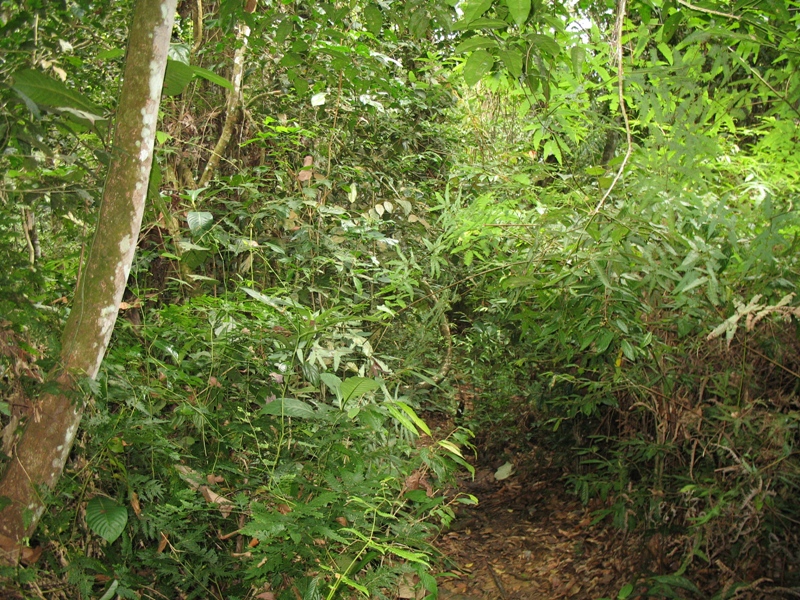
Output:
(48, 434)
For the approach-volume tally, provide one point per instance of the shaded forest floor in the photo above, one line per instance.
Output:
(530, 539)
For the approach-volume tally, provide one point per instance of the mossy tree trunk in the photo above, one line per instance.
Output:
(47, 437)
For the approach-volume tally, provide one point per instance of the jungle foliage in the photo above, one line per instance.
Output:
(584, 214)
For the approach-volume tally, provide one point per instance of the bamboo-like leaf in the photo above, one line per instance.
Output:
(106, 518)
(209, 75)
(413, 416)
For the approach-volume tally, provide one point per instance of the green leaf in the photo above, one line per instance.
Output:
(488, 24)
(578, 54)
(477, 65)
(110, 54)
(283, 31)
(111, 591)
(332, 381)
(677, 581)
(209, 75)
(413, 416)
(419, 23)
(519, 10)
(289, 407)
(603, 341)
(177, 77)
(473, 9)
(106, 518)
(671, 26)
(545, 43)
(354, 387)
(291, 59)
(475, 42)
(199, 221)
(666, 51)
(628, 351)
(373, 19)
(626, 591)
(512, 59)
(48, 92)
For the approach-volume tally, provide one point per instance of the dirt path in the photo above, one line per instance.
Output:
(530, 539)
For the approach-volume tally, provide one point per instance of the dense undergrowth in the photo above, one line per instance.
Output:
(254, 431)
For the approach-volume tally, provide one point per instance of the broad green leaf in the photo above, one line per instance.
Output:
(111, 591)
(48, 92)
(418, 25)
(691, 280)
(603, 341)
(402, 418)
(512, 59)
(451, 447)
(578, 55)
(671, 26)
(417, 557)
(488, 24)
(283, 31)
(177, 77)
(627, 350)
(179, 53)
(545, 43)
(373, 19)
(354, 387)
(332, 381)
(199, 221)
(477, 65)
(289, 407)
(519, 10)
(473, 9)
(625, 592)
(110, 54)
(291, 59)
(476, 42)
(106, 517)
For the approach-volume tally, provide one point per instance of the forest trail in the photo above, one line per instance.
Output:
(529, 538)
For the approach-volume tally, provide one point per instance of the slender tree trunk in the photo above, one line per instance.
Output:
(48, 434)
(234, 103)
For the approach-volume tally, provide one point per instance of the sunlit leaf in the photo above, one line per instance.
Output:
(199, 221)
(355, 387)
(477, 65)
(472, 9)
(519, 10)
(289, 407)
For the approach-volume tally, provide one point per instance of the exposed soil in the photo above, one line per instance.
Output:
(530, 539)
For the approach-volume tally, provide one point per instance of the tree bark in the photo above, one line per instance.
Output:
(48, 434)
(234, 101)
